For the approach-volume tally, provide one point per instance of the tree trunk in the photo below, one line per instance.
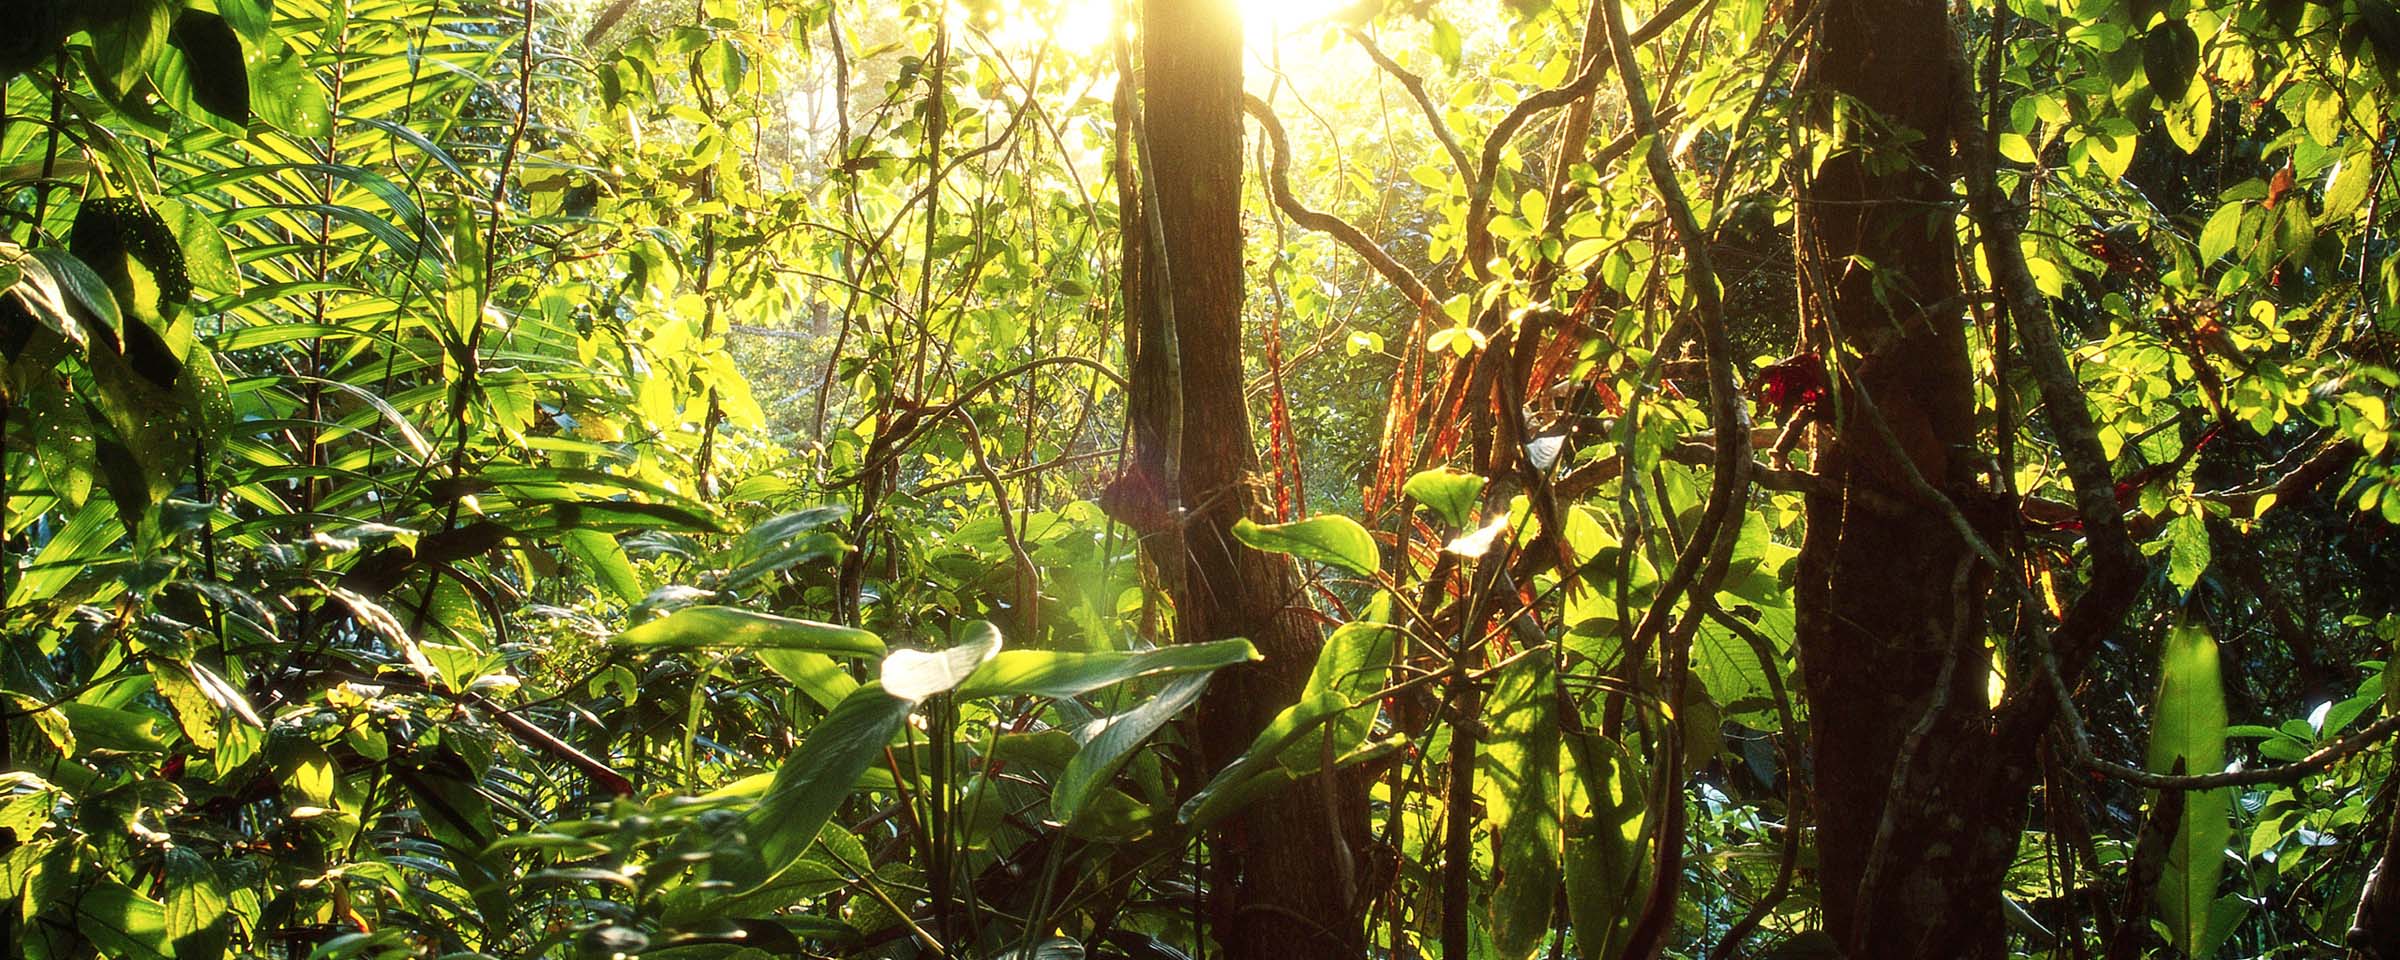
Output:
(1919, 806)
(1282, 877)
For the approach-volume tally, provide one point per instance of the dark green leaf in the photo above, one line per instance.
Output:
(127, 38)
(212, 53)
(1108, 742)
(818, 776)
(2170, 57)
(784, 542)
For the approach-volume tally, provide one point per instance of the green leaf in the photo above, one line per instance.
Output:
(2187, 550)
(2187, 733)
(1453, 494)
(206, 259)
(1329, 539)
(600, 552)
(2170, 56)
(83, 288)
(1061, 674)
(253, 19)
(1109, 741)
(122, 923)
(212, 56)
(818, 776)
(1519, 785)
(713, 627)
(2110, 143)
(108, 728)
(2322, 115)
(196, 909)
(287, 95)
(1354, 663)
(913, 675)
(1223, 792)
(1606, 861)
(2346, 189)
(2224, 227)
(123, 45)
(813, 674)
(2188, 118)
(784, 542)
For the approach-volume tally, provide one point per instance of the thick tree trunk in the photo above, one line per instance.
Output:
(1282, 882)
(1918, 805)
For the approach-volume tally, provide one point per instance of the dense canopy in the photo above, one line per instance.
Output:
(1146, 479)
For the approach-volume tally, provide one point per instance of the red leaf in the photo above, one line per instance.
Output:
(2282, 184)
(1791, 383)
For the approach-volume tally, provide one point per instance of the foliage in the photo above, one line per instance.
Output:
(562, 479)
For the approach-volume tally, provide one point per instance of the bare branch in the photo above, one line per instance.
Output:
(1279, 174)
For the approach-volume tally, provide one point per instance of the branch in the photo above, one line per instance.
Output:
(779, 334)
(2327, 459)
(2116, 566)
(1703, 563)
(1479, 206)
(2314, 763)
(1415, 85)
(1698, 451)
(1279, 174)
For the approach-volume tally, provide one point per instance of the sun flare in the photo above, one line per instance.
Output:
(1082, 26)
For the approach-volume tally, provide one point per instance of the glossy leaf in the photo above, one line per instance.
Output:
(2187, 734)
(1109, 741)
(814, 781)
(1329, 539)
(1451, 494)
(727, 628)
(1057, 673)
(913, 675)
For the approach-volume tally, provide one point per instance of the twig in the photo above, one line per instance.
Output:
(1279, 171)
(1415, 85)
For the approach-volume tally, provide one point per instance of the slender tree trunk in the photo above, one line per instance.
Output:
(1919, 805)
(1282, 883)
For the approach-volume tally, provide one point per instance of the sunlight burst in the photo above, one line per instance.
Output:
(1081, 26)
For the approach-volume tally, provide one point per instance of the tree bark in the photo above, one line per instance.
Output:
(1282, 881)
(1919, 806)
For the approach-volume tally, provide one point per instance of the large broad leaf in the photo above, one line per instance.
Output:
(814, 781)
(1519, 787)
(913, 675)
(784, 542)
(1108, 742)
(1449, 492)
(125, 38)
(813, 674)
(709, 627)
(606, 560)
(1606, 860)
(1057, 673)
(2170, 56)
(2187, 733)
(212, 54)
(1330, 539)
(121, 922)
(1223, 793)
(1354, 665)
